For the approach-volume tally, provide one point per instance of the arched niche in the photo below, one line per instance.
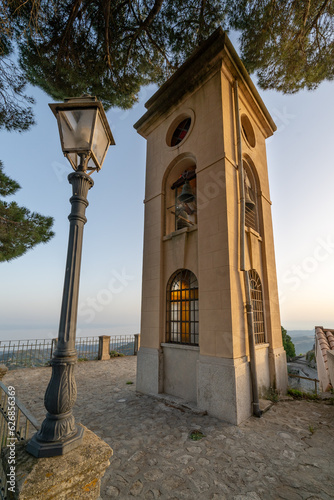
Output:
(179, 188)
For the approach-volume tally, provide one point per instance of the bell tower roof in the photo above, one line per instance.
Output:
(215, 53)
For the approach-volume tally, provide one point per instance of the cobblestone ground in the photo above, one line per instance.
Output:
(287, 454)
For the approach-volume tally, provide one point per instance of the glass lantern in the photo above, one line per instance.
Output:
(84, 130)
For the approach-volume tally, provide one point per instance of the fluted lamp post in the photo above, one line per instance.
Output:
(85, 138)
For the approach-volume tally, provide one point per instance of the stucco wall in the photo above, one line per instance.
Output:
(262, 368)
(323, 374)
(330, 366)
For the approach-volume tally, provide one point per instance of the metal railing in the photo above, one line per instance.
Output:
(16, 424)
(34, 353)
(124, 344)
(314, 380)
(25, 353)
(87, 348)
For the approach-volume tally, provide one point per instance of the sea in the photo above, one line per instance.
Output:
(303, 340)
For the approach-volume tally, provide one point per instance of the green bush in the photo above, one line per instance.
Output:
(310, 356)
(115, 354)
(288, 345)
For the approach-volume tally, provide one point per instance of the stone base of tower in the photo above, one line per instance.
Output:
(224, 388)
(149, 368)
(278, 370)
(220, 386)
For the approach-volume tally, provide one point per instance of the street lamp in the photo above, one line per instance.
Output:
(85, 138)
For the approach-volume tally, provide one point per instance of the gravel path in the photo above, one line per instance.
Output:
(287, 454)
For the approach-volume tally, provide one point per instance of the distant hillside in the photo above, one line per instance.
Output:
(303, 340)
(301, 333)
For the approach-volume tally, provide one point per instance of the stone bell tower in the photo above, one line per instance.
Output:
(210, 327)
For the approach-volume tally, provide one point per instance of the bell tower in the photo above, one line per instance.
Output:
(210, 327)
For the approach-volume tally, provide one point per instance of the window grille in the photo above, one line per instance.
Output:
(258, 310)
(180, 132)
(182, 308)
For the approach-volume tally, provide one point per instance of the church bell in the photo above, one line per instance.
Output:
(187, 195)
(248, 200)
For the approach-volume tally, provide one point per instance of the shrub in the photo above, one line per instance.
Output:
(115, 354)
(288, 345)
(272, 395)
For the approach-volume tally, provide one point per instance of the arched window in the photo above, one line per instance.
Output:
(251, 206)
(257, 303)
(182, 308)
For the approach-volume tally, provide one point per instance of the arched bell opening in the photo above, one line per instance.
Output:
(251, 197)
(180, 196)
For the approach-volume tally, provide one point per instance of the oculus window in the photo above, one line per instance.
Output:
(248, 131)
(180, 132)
(182, 308)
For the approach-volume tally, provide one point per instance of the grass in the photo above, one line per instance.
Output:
(296, 394)
(272, 395)
(196, 435)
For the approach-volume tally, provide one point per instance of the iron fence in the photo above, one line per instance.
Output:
(123, 344)
(26, 353)
(35, 353)
(16, 424)
(87, 348)
(307, 385)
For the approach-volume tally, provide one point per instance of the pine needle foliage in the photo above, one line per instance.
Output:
(290, 44)
(20, 229)
(111, 48)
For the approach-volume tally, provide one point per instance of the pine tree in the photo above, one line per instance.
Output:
(290, 44)
(108, 48)
(20, 229)
(111, 48)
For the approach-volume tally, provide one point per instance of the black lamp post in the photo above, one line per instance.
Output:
(85, 138)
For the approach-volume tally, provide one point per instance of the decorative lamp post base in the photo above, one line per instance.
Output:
(40, 449)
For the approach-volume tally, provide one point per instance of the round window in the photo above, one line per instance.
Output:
(180, 132)
(248, 131)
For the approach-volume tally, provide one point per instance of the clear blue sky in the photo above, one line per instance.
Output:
(301, 174)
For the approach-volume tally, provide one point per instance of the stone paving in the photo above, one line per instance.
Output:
(287, 454)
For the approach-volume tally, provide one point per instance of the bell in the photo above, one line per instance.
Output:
(186, 196)
(248, 200)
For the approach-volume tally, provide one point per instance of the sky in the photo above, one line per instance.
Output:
(301, 177)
